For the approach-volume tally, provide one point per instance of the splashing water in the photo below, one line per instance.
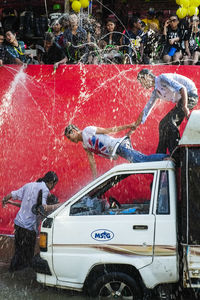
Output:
(6, 104)
(20, 78)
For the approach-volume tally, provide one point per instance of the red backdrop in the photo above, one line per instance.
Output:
(36, 105)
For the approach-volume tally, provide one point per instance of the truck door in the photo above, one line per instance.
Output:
(165, 263)
(110, 223)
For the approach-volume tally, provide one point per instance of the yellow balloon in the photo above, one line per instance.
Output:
(194, 3)
(192, 10)
(76, 6)
(185, 3)
(178, 2)
(84, 3)
(181, 12)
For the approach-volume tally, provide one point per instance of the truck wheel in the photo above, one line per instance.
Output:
(115, 285)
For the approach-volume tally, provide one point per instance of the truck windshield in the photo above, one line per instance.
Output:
(120, 194)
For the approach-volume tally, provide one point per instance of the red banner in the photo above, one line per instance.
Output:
(38, 103)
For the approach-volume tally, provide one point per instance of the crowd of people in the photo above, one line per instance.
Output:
(80, 38)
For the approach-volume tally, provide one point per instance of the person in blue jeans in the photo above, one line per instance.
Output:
(96, 140)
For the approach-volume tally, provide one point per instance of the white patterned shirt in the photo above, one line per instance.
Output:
(167, 88)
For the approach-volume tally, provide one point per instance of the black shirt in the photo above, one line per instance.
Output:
(54, 54)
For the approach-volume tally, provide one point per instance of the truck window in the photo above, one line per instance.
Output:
(163, 207)
(120, 195)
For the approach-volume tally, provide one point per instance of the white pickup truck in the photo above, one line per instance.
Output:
(135, 228)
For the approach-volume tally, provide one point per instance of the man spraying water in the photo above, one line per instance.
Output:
(168, 87)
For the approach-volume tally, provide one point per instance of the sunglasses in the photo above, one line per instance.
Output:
(173, 20)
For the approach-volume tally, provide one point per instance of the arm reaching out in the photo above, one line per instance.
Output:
(5, 199)
(184, 97)
(51, 207)
(92, 163)
(136, 124)
(14, 203)
(115, 129)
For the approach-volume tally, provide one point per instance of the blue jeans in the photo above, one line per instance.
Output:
(126, 151)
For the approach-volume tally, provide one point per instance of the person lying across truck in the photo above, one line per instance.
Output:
(96, 140)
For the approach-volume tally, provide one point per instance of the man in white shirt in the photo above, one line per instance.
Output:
(26, 221)
(97, 141)
(168, 87)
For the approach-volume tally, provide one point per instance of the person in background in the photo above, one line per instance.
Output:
(58, 33)
(111, 37)
(112, 42)
(172, 37)
(26, 225)
(96, 140)
(50, 53)
(3, 53)
(75, 39)
(135, 39)
(93, 37)
(151, 21)
(171, 87)
(192, 42)
(15, 48)
(64, 21)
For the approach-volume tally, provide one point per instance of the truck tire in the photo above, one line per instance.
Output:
(115, 285)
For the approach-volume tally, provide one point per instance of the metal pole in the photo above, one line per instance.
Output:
(46, 9)
(66, 6)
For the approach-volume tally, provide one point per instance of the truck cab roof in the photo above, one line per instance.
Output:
(155, 165)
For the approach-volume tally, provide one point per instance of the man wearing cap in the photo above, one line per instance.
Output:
(168, 87)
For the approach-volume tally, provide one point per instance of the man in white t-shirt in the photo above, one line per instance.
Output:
(97, 141)
(171, 87)
(26, 221)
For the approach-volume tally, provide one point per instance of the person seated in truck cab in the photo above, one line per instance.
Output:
(90, 206)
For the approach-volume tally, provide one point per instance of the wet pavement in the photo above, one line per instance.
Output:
(22, 285)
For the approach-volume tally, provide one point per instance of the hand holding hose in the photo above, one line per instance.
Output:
(4, 201)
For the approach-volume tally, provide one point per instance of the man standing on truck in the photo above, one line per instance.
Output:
(26, 221)
(97, 141)
(168, 87)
